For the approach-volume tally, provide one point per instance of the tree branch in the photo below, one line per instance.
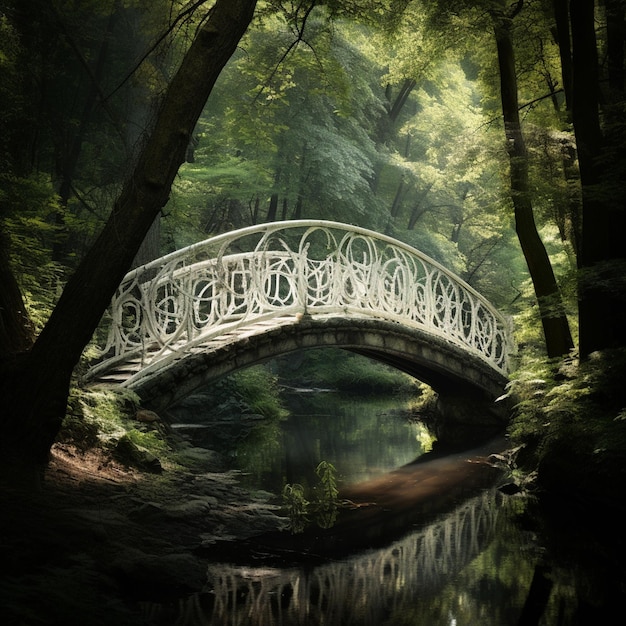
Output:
(299, 32)
(186, 14)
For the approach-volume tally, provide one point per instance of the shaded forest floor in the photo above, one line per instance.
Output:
(97, 539)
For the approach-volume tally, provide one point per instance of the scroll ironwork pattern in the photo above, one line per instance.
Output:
(298, 267)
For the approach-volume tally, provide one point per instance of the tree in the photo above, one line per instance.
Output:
(598, 118)
(298, 125)
(291, 123)
(35, 384)
(555, 325)
(450, 16)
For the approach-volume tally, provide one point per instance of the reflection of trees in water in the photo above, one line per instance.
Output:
(365, 589)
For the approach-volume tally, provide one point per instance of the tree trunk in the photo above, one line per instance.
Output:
(35, 391)
(302, 182)
(273, 208)
(16, 331)
(401, 99)
(150, 248)
(401, 189)
(616, 38)
(397, 199)
(387, 122)
(562, 37)
(418, 210)
(601, 310)
(555, 325)
(256, 209)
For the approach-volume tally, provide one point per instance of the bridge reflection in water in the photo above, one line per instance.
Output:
(366, 589)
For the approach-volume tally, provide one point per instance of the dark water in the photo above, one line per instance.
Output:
(361, 438)
(431, 542)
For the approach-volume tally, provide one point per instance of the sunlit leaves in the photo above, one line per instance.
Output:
(296, 112)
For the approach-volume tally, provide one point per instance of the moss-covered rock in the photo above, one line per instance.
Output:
(131, 454)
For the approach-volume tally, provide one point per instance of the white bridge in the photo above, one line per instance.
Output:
(243, 284)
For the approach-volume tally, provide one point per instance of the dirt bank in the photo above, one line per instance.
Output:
(98, 539)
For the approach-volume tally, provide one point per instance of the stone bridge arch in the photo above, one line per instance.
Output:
(243, 297)
(443, 366)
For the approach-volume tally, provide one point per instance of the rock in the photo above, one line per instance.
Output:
(197, 506)
(131, 454)
(201, 457)
(145, 415)
(147, 511)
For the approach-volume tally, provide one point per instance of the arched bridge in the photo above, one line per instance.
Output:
(252, 294)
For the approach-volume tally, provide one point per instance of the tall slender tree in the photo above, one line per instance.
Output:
(599, 120)
(555, 325)
(556, 329)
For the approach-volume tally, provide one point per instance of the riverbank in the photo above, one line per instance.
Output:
(100, 541)
(103, 544)
(98, 538)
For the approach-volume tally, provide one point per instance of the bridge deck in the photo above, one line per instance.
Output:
(193, 305)
(124, 372)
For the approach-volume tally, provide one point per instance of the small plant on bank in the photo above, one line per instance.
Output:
(297, 507)
(327, 473)
(327, 502)
(325, 506)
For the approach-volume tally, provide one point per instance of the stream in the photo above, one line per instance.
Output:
(421, 539)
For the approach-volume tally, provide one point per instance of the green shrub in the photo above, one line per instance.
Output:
(258, 390)
(570, 417)
(332, 368)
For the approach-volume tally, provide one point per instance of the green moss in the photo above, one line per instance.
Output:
(150, 441)
(105, 418)
(94, 416)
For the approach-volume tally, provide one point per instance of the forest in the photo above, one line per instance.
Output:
(488, 134)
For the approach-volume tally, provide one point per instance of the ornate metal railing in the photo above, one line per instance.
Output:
(295, 267)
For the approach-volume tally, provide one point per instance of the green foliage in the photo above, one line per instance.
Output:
(96, 416)
(569, 414)
(148, 440)
(258, 390)
(297, 506)
(332, 368)
(303, 112)
(324, 506)
(327, 474)
(291, 118)
(105, 419)
(358, 374)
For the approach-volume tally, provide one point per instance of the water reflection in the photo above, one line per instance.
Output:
(437, 549)
(375, 587)
(362, 438)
